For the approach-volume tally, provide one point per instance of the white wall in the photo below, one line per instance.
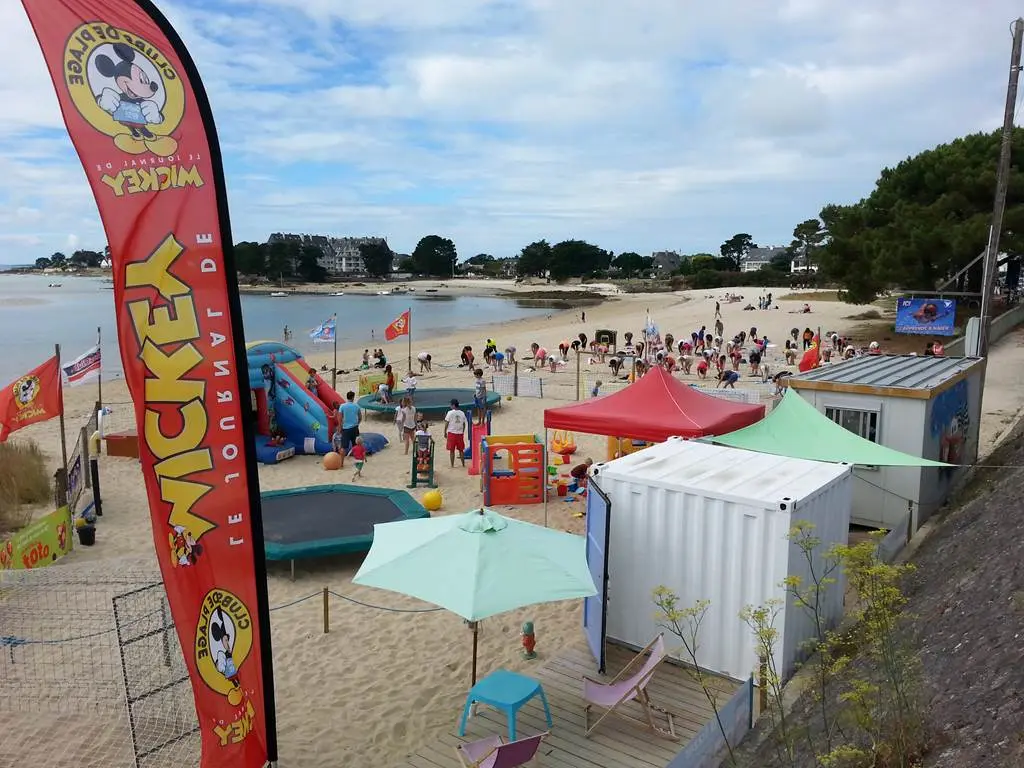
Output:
(880, 495)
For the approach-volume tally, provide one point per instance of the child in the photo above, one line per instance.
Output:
(359, 455)
(702, 368)
(727, 380)
(596, 390)
(383, 393)
(406, 420)
(422, 445)
(480, 396)
(311, 383)
(410, 383)
(579, 473)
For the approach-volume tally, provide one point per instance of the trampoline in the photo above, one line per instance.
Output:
(430, 402)
(322, 520)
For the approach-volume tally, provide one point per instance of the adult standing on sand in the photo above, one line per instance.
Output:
(351, 418)
(455, 423)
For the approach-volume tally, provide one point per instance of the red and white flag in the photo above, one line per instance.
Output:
(400, 327)
(34, 397)
(83, 369)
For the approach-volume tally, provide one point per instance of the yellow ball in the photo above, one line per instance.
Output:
(234, 697)
(508, 397)
(332, 460)
(433, 500)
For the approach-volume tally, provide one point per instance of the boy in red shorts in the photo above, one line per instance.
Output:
(455, 424)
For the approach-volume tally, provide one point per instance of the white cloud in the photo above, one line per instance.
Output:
(670, 123)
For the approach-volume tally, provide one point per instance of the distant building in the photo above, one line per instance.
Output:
(340, 255)
(801, 263)
(761, 257)
(666, 261)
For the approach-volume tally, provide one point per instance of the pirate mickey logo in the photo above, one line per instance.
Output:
(126, 88)
(224, 637)
(26, 389)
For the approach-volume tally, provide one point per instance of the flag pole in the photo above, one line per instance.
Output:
(99, 378)
(63, 437)
(410, 338)
(334, 370)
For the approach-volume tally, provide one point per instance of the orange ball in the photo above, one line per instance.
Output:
(332, 460)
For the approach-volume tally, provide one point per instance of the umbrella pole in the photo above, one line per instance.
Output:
(546, 460)
(476, 637)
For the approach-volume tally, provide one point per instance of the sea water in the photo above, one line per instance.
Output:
(34, 317)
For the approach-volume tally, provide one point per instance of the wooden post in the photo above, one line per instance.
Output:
(327, 611)
(83, 452)
(63, 436)
(515, 378)
(577, 374)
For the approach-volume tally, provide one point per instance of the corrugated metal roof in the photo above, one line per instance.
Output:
(715, 470)
(894, 371)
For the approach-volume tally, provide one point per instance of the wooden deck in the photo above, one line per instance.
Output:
(616, 743)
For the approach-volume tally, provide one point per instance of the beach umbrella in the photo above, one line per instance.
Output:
(477, 564)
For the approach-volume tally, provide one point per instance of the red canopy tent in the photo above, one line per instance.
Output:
(654, 408)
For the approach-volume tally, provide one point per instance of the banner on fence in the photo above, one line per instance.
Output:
(368, 382)
(40, 543)
(141, 123)
(926, 317)
(76, 479)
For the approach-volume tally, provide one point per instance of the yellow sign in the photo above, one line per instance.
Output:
(40, 543)
(368, 382)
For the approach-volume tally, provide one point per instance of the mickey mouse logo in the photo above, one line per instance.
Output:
(224, 637)
(26, 389)
(125, 88)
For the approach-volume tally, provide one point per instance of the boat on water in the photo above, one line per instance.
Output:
(278, 294)
(383, 293)
(338, 293)
(54, 285)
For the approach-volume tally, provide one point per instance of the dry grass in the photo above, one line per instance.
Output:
(811, 296)
(871, 314)
(23, 480)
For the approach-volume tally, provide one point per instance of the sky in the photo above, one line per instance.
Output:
(651, 125)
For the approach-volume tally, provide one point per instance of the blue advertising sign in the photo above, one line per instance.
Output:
(926, 317)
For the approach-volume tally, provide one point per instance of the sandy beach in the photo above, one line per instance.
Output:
(381, 683)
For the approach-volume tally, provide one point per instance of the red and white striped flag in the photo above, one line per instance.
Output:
(83, 369)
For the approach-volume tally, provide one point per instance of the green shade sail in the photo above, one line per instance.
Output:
(477, 564)
(798, 430)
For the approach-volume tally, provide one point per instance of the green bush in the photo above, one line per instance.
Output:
(23, 480)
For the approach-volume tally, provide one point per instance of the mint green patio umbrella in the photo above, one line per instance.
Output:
(477, 564)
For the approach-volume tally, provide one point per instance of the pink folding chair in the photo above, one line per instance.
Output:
(493, 752)
(612, 695)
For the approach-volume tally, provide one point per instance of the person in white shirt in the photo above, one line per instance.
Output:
(410, 383)
(455, 423)
(425, 360)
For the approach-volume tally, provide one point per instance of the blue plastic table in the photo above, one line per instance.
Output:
(508, 692)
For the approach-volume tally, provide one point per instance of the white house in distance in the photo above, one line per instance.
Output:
(925, 406)
(760, 257)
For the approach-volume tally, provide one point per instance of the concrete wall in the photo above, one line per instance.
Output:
(1001, 326)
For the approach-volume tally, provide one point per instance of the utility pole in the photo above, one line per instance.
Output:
(1002, 181)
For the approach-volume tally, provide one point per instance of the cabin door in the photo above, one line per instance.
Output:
(595, 609)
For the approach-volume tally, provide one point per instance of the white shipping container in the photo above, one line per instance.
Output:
(712, 523)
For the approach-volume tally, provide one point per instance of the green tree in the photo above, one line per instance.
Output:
(82, 259)
(58, 260)
(308, 266)
(435, 256)
(280, 256)
(534, 259)
(808, 237)
(575, 258)
(250, 258)
(377, 258)
(42, 262)
(631, 263)
(926, 218)
(736, 248)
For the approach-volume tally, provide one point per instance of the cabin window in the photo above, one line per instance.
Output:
(861, 423)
